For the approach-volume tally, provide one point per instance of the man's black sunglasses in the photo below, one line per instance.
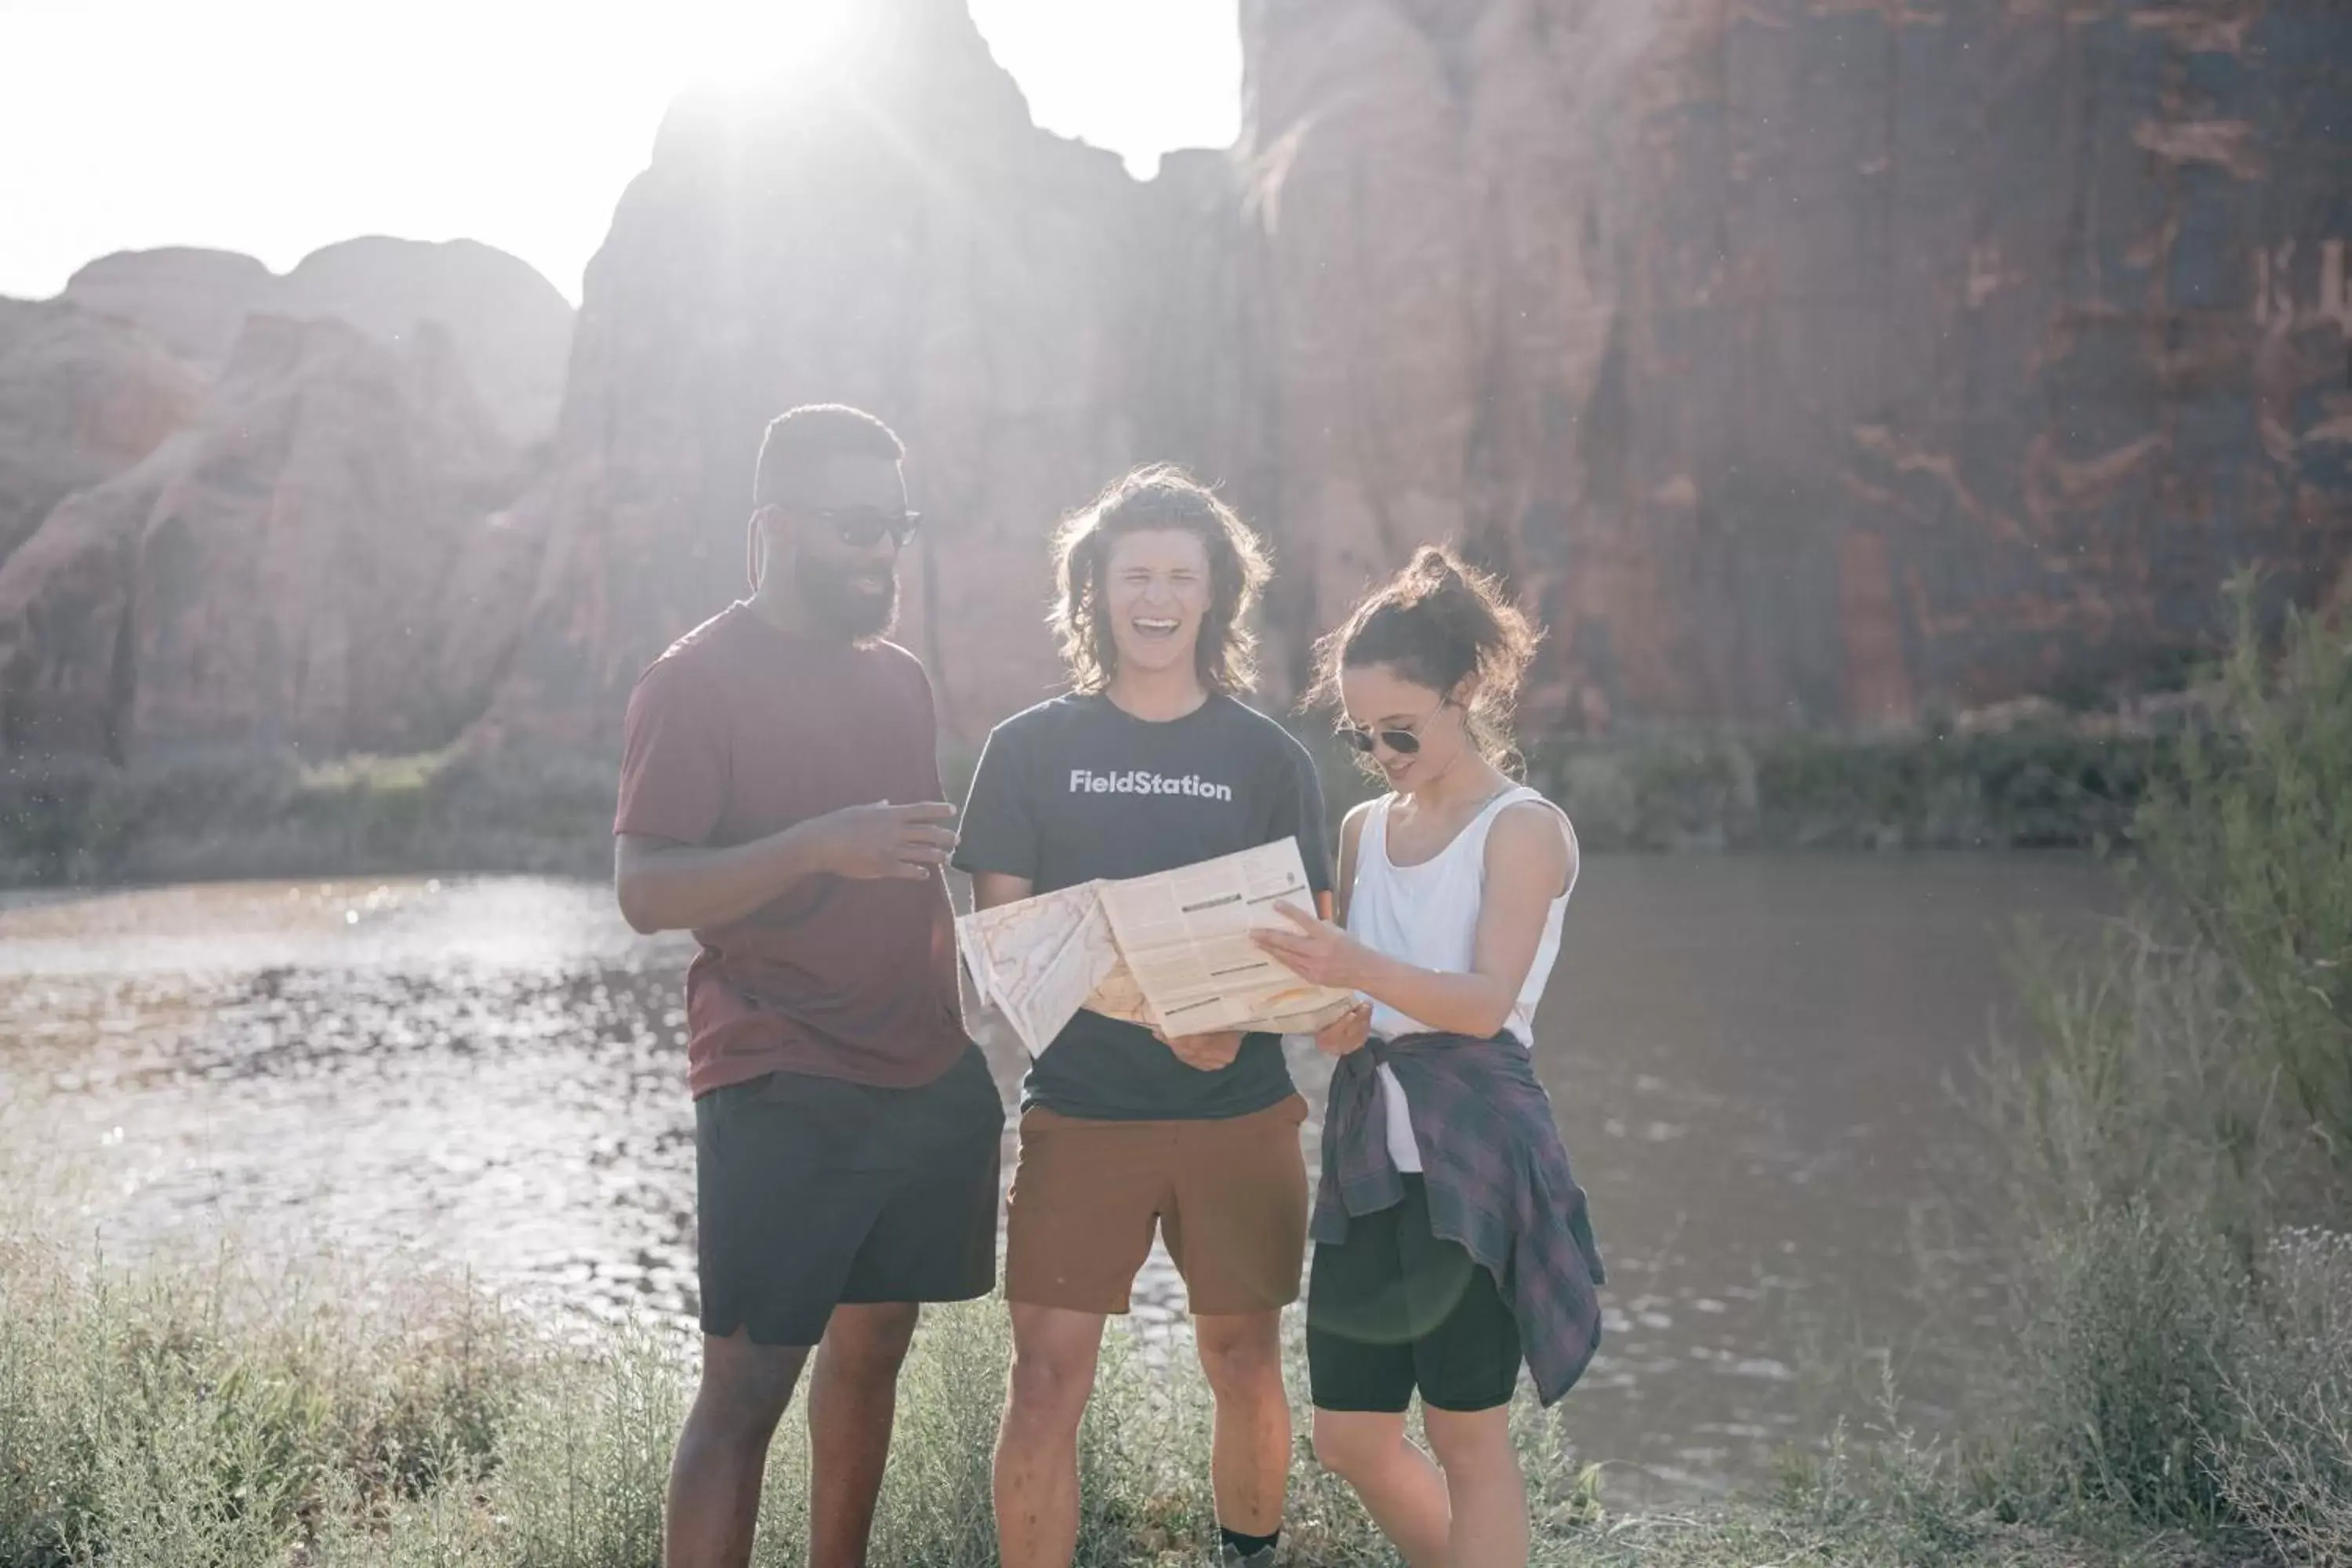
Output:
(861, 527)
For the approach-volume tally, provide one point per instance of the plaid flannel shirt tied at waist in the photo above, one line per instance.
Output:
(1496, 1176)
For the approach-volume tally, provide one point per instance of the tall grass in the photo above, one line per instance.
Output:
(180, 1416)
(201, 1415)
(2181, 1149)
(207, 1417)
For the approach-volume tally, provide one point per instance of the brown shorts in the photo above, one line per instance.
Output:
(1230, 1197)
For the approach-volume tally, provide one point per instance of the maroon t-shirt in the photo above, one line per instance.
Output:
(740, 731)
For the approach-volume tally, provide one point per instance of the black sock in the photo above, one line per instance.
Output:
(1245, 1544)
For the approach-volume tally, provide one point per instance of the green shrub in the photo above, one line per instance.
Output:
(2255, 841)
(2051, 783)
(2285, 1458)
(2184, 1356)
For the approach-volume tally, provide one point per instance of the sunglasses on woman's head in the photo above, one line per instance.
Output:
(861, 527)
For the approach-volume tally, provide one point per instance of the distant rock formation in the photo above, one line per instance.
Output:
(240, 510)
(81, 399)
(192, 301)
(511, 329)
(282, 573)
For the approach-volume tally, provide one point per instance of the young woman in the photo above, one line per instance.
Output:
(1451, 1241)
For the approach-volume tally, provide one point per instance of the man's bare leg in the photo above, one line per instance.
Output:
(1053, 1354)
(1241, 1354)
(714, 1476)
(852, 1403)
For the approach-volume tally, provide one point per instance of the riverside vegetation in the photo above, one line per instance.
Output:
(2179, 1148)
(206, 1417)
(2045, 779)
(2176, 1148)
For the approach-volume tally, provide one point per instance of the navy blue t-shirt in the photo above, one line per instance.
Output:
(1076, 789)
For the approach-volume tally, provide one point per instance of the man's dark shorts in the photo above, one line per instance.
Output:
(812, 1192)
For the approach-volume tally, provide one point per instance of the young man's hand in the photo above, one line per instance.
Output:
(880, 841)
(1347, 1033)
(1208, 1052)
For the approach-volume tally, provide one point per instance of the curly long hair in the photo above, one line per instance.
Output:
(1162, 497)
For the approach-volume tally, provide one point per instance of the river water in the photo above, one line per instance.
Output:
(1760, 1065)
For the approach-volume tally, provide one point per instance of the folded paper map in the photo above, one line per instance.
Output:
(1170, 951)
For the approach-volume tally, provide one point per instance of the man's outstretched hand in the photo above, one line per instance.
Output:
(881, 841)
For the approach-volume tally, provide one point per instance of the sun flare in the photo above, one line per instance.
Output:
(537, 122)
(742, 46)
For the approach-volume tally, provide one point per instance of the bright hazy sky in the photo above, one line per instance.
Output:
(273, 127)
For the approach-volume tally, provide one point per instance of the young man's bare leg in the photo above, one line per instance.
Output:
(1400, 1488)
(1053, 1354)
(853, 1402)
(1241, 1354)
(714, 1476)
(1483, 1482)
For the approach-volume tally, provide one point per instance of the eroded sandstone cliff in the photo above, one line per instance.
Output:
(1814, 359)
(279, 574)
(905, 241)
(1799, 360)
(82, 397)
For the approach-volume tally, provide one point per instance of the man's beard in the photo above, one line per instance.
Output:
(847, 601)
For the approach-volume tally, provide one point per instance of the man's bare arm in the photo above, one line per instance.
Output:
(665, 886)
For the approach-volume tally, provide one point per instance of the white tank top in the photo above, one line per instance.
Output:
(1427, 916)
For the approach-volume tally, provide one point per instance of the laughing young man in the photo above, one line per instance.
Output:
(780, 799)
(1148, 763)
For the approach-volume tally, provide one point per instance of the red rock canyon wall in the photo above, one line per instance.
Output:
(1799, 360)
